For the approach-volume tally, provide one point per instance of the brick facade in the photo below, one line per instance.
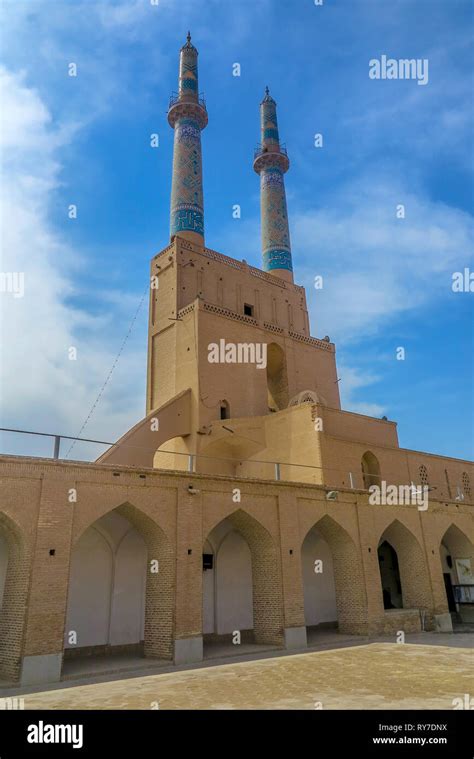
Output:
(42, 526)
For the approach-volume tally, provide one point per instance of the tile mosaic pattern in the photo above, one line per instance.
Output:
(276, 247)
(187, 205)
(186, 194)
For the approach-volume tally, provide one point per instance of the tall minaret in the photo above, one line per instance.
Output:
(187, 115)
(271, 162)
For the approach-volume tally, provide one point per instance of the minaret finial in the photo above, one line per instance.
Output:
(267, 91)
(189, 37)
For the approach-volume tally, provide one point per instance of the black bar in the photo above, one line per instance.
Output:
(319, 733)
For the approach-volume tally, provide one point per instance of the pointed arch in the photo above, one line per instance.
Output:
(277, 378)
(265, 571)
(159, 574)
(458, 540)
(413, 571)
(370, 469)
(456, 552)
(351, 598)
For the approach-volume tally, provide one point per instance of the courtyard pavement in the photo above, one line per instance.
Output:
(373, 676)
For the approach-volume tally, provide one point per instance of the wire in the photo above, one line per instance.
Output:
(107, 379)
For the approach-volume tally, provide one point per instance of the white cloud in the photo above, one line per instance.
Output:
(352, 380)
(376, 266)
(41, 388)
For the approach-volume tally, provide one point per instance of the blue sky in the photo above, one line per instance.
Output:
(86, 140)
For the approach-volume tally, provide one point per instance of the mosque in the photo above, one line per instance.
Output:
(239, 511)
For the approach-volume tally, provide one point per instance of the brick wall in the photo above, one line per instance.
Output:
(274, 519)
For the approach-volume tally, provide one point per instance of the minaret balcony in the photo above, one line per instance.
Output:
(189, 97)
(261, 149)
(266, 156)
(186, 105)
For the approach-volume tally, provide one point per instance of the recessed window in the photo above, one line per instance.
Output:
(370, 470)
(225, 410)
(248, 309)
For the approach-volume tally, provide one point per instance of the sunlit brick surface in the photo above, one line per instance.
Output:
(377, 676)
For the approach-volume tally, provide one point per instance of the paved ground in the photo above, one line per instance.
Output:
(374, 676)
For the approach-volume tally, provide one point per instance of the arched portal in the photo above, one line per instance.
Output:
(457, 562)
(241, 583)
(390, 576)
(318, 581)
(370, 469)
(120, 599)
(333, 580)
(277, 378)
(106, 600)
(403, 573)
(14, 577)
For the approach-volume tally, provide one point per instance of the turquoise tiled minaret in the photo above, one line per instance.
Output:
(271, 162)
(187, 115)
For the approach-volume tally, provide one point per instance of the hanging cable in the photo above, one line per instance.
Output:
(107, 379)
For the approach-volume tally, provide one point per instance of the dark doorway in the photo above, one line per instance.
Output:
(449, 591)
(390, 576)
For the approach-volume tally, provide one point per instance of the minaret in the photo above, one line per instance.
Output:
(187, 115)
(271, 162)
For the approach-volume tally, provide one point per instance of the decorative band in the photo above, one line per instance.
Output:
(187, 219)
(271, 134)
(187, 130)
(188, 83)
(271, 177)
(277, 259)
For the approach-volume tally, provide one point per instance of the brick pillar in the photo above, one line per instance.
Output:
(46, 613)
(292, 573)
(369, 538)
(15, 596)
(159, 599)
(349, 578)
(266, 578)
(188, 644)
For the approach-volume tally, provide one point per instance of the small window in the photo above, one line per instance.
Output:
(207, 561)
(466, 484)
(248, 309)
(225, 410)
(423, 473)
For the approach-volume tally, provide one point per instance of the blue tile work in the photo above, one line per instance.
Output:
(186, 192)
(271, 164)
(188, 117)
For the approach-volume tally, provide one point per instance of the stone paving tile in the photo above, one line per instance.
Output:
(376, 676)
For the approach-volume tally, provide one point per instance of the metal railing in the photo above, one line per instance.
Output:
(286, 471)
(261, 150)
(176, 98)
(277, 470)
(57, 438)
